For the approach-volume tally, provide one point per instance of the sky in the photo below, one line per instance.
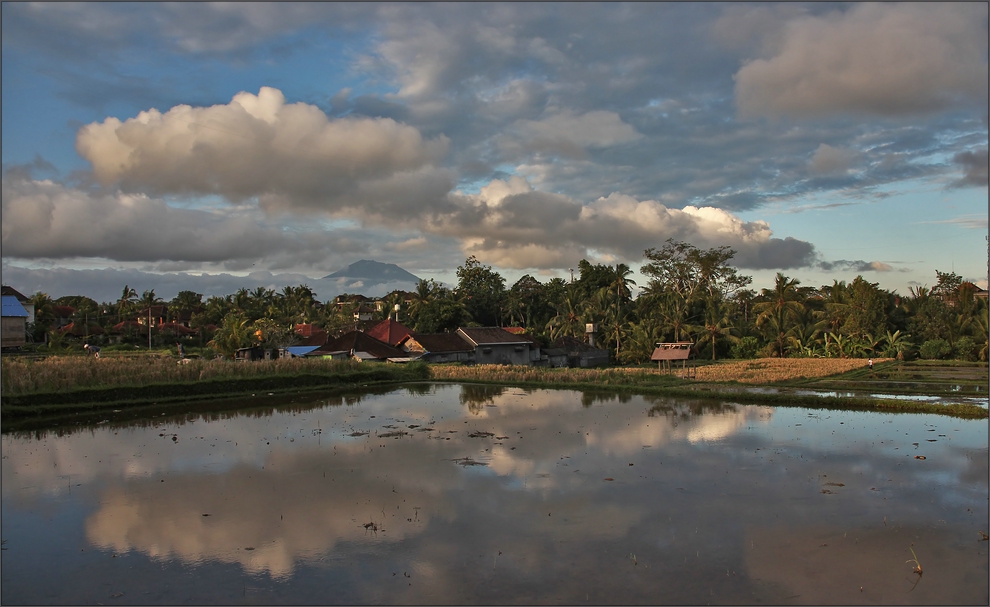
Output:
(211, 146)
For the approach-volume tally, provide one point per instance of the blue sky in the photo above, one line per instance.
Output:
(269, 144)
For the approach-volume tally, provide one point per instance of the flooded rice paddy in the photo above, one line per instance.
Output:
(461, 494)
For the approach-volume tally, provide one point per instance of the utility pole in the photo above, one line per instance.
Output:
(149, 327)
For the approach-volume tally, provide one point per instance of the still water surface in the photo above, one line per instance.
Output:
(461, 494)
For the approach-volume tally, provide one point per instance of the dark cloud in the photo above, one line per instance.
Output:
(843, 265)
(974, 166)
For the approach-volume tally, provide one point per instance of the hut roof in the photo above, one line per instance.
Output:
(12, 307)
(680, 350)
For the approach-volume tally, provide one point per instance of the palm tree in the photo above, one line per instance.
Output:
(716, 323)
(673, 312)
(235, 333)
(568, 322)
(778, 310)
(125, 305)
(620, 286)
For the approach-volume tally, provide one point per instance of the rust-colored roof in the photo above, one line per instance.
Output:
(178, 328)
(441, 342)
(79, 329)
(63, 311)
(390, 332)
(672, 351)
(307, 330)
(515, 330)
(126, 325)
(317, 338)
(490, 335)
(361, 342)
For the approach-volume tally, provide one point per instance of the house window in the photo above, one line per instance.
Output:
(486, 350)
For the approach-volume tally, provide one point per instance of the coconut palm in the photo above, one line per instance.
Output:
(777, 312)
(716, 324)
(125, 305)
(569, 321)
(234, 333)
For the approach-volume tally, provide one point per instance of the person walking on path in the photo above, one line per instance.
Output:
(94, 350)
(871, 365)
(182, 350)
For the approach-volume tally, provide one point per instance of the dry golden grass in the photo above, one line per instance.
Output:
(766, 370)
(68, 372)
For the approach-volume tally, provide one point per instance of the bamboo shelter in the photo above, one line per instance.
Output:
(667, 354)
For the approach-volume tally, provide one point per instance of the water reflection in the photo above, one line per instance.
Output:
(574, 498)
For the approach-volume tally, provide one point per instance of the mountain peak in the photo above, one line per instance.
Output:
(376, 271)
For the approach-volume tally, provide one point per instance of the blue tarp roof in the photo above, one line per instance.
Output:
(12, 307)
(300, 350)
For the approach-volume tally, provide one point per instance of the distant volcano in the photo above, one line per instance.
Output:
(374, 271)
(370, 278)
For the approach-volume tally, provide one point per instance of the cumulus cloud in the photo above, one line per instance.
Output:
(45, 219)
(258, 146)
(886, 59)
(509, 224)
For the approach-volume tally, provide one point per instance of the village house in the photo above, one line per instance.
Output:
(358, 346)
(390, 332)
(581, 354)
(439, 347)
(24, 301)
(13, 322)
(493, 345)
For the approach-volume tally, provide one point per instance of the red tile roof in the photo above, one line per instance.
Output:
(357, 341)
(390, 332)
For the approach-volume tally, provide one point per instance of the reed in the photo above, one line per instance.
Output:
(60, 373)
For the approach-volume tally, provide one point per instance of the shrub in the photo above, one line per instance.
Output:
(935, 349)
(748, 347)
(966, 349)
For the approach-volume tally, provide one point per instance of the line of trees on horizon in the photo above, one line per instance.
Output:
(691, 294)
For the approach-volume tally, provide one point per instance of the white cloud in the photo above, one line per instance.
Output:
(885, 59)
(508, 224)
(259, 146)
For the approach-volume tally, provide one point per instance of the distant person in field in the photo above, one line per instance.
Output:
(182, 350)
(94, 350)
(871, 365)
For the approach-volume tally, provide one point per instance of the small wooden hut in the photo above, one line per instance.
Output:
(666, 355)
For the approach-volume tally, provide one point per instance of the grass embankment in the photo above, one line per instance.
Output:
(65, 385)
(766, 372)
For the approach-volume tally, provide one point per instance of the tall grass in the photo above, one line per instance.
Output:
(67, 373)
(546, 375)
(768, 370)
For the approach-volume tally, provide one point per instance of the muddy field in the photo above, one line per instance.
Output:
(481, 494)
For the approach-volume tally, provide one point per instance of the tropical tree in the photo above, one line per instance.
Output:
(483, 291)
(717, 324)
(233, 334)
(125, 305)
(569, 321)
(775, 315)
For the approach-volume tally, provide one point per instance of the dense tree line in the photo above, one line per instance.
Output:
(691, 294)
